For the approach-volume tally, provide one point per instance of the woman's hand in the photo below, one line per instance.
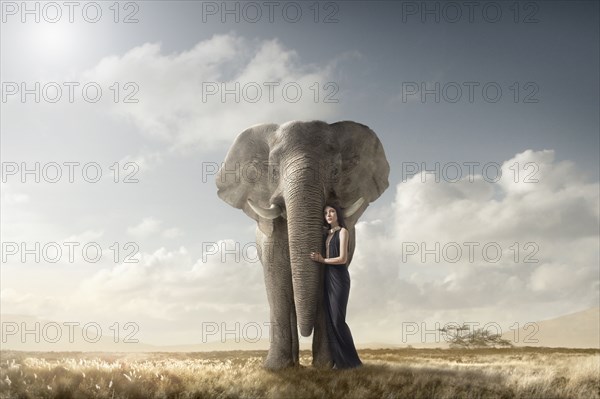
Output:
(316, 257)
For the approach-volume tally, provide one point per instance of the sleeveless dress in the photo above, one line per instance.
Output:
(336, 292)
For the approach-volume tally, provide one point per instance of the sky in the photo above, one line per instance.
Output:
(488, 115)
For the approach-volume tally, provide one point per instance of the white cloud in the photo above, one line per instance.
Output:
(167, 293)
(10, 197)
(86, 236)
(554, 223)
(181, 293)
(145, 160)
(145, 228)
(559, 215)
(172, 232)
(171, 107)
(150, 226)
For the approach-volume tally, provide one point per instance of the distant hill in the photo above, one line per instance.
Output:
(575, 330)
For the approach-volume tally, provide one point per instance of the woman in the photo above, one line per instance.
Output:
(337, 289)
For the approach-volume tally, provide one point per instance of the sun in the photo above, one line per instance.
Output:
(52, 38)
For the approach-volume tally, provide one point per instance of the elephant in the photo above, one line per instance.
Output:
(282, 176)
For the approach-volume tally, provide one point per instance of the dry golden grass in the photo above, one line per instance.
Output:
(387, 373)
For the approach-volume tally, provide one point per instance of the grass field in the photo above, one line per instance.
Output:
(387, 373)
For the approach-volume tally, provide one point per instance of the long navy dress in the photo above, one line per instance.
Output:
(337, 290)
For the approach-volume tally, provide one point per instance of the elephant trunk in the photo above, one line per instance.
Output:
(305, 200)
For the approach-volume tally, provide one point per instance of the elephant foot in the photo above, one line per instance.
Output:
(278, 362)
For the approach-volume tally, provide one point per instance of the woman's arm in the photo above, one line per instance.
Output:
(339, 260)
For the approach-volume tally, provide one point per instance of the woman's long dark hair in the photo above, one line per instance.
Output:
(338, 212)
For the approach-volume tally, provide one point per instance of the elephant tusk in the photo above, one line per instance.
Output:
(273, 212)
(354, 207)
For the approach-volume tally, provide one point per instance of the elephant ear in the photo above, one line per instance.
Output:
(365, 169)
(244, 174)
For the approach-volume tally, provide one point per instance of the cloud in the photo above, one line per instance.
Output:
(144, 161)
(182, 100)
(173, 232)
(552, 270)
(170, 285)
(150, 226)
(10, 197)
(166, 293)
(145, 228)
(547, 232)
(86, 236)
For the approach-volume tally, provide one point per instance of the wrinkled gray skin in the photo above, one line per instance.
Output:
(282, 176)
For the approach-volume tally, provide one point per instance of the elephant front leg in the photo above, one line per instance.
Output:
(283, 349)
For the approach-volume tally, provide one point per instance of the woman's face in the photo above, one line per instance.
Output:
(330, 215)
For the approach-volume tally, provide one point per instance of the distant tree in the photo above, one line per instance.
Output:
(461, 337)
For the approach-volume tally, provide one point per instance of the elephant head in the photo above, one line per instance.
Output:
(291, 171)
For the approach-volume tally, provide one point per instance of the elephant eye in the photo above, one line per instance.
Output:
(274, 174)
